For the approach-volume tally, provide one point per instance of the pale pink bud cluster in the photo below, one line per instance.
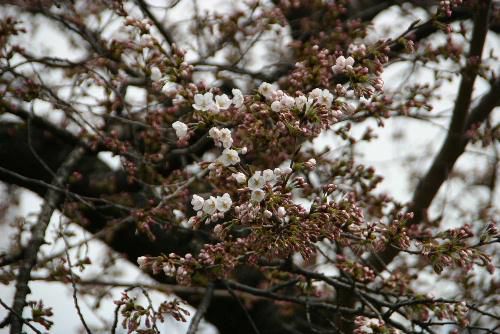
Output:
(343, 64)
(357, 48)
(322, 96)
(310, 164)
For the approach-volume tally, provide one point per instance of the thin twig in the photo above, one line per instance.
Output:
(202, 308)
(8, 319)
(115, 319)
(249, 317)
(73, 285)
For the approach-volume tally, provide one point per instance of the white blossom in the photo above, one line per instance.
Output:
(238, 98)
(155, 73)
(146, 39)
(221, 137)
(244, 150)
(178, 214)
(178, 99)
(218, 229)
(315, 93)
(229, 157)
(287, 101)
(365, 330)
(277, 171)
(209, 206)
(341, 64)
(357, 48)
(349, 62)
(278, 94)
(239, 177)
(222, 101)
(268, 214)
(349, 108)
(214, 133)
(169, 88)
(300, 101)
(188, 223)
(256, 181)
(169, 269)
(276, 106)
(266, 89)
(204, 102)
(281, 212)
(287, 170)
(326, 98)
(180, 128)
(268, 175)
(142, 261)
(258, 195)
(225, 137)
(340, 61)
(223, 203)
(197, 202)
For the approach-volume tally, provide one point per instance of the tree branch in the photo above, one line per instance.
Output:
(52, 199)
(145, 8)
(456, 140)
(202, 308)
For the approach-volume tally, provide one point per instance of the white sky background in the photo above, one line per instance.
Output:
(385, 154)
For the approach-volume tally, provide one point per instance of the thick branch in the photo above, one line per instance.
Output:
(202, 309)
(450, 151)
(52, 199)
(456, 140)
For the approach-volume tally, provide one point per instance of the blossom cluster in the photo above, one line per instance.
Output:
(259, 179)
(281, 100)
(215, 207)
(222, 137)
(206, 102)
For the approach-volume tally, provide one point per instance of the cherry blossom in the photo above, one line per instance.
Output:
(238, 98)
(223, 203)
(210, 205)
(222, 101)
(155, 74)
(204, 102)
(180, 128)
(229, 157)
(342, 64)
(256, 181)
(239, 177)
(197, 202)
(258, 195)
(266, 90)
